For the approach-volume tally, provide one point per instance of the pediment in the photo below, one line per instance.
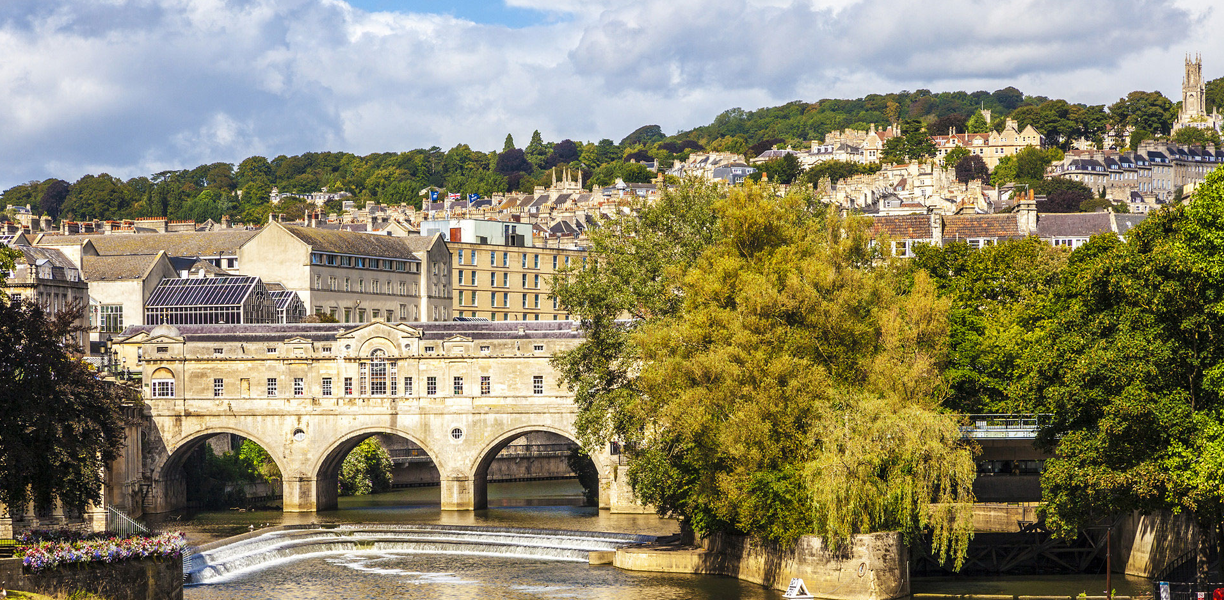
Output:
(457, 338)
(381, 328)
(297, 339)
(164, 339)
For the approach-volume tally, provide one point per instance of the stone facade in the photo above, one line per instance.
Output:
(1194, 107)
(309, 393)
(147, 579)
(509, 284)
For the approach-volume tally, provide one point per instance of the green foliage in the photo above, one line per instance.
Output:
(588, 476)
(644, 135)
(997, 294)
(1129, 361)
(836, 170)
(955, 155)
(62, 424)
(1137, 137)
(1196, 135)
(783, 170)
(366, 470)
(1214, 95)
(1149, 111)
(781, 380)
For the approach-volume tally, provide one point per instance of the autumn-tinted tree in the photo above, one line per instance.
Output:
(972, 167)
(62, 425)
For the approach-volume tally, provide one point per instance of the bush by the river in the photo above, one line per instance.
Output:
(366, 470)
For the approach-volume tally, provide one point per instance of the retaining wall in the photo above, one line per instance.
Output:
(1145, 544)
(874, 567)
(148, 579)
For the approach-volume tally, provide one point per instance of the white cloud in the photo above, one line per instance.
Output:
(136, 86)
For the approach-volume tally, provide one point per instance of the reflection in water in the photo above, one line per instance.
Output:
(1032, 585)
(421, 505)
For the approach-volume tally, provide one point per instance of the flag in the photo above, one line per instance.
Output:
(433, 195)
(454, 196)
(473, 197)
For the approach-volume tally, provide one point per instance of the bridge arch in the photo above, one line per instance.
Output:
(169, 490)
(326, 467)
(484, 459)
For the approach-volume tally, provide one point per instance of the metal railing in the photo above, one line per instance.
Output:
(120, 524)
(1018, 426)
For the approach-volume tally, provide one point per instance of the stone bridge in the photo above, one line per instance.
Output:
(310, 393)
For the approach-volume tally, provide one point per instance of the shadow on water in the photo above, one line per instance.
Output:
(538, 505)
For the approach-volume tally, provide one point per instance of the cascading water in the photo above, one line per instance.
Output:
(216, 562)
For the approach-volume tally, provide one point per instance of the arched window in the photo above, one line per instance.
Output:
(376, 371)
(162, 383)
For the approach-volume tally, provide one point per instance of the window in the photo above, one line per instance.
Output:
(458, 386)
(408, 382)
(461, 257)
(492, 259)
(326, 349)
(486, 385)
(163, 388)
(537, 282)
(505, 259)
(403, 311)
(163, 349)
(473, 258)
(218, 351)
(505, 280)
(111, 318)
(299, 386)
(348, 386)
(431, 386)
(524, 280)
(524, 260)
(484, 349)
(460, 273)
(272, 387)
(538, 348)
(460, 293)
(378, 373)
(429, 348)
(537, 301)
(505, 300)
(271, 350)
(567, 262)
(218, 387)
(537, 385)
(327, 388)
(524, 300)
(392, 378)
(537, 261)
(554, 262)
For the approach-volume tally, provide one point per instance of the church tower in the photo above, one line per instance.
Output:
(1193, 91)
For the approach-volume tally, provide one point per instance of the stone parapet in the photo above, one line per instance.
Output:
(148, 579)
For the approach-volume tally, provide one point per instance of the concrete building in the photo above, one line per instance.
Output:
(498, 271)
(355, 277)
(46, 276)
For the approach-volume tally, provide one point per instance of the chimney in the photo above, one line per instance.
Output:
(1026, 216)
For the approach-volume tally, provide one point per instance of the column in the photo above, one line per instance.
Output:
(460, 494)
(307, 494)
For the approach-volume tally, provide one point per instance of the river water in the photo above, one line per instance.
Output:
(552, 505)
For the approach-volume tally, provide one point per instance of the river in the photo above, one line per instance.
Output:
(552, 505)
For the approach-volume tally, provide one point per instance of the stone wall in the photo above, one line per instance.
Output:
(874, 567)
(1145, 544)
(149, 579)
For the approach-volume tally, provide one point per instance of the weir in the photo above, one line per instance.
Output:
(220, 560)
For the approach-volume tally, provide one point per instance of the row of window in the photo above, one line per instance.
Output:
(529, 300)
(529, 261)
(376, 378)
(376, 286)
(471, 278)
(364, 262)
(492, 316)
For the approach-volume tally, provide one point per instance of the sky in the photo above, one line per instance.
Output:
(135, 87)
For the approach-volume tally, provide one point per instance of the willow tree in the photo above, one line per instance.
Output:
(791, 387)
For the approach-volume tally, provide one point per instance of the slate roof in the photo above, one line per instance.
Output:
(959, 227)
(1052, 225)
(190, 243)
(902, 227)
(116, 268)
(32, 255)
(325, 332)
(358, 244)
(1126, 222)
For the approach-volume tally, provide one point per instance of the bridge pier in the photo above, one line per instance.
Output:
(307, 494)
(459, 493)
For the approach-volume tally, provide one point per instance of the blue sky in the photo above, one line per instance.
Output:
(492, 12)
(134, 87)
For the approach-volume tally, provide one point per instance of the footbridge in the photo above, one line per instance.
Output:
(308, 394)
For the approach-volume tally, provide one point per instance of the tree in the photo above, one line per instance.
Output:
(536, 151)
(1009, 98)
(1149, 111)
(1031, 164)
(644, 135)
(55, 191)
(954, 123)
(977, 124)
(62, 424)
(1214, 95)
(955, 155)
(1137, 137)
(972, 167)
(763, 145)
(1130, 363)
(366, 470)
(509, 144)
(836, 170)
(781, 382)
(783, 170)
(1064, 201)
(564, 153)
(1196, 136)
(1004, 172)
